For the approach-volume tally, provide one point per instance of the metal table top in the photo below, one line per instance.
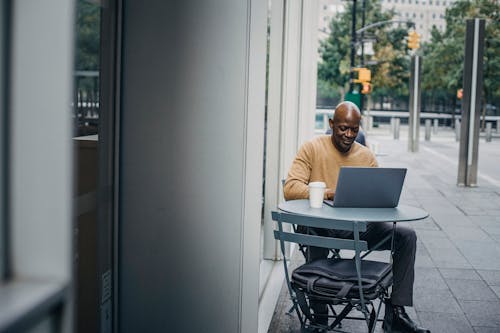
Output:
(400, 213)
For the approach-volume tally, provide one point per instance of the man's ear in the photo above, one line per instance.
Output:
(330, 121)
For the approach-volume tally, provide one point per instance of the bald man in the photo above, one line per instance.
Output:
(320, 160)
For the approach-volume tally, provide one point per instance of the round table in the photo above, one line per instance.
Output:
(400, 213)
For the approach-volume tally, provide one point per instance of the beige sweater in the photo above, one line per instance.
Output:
(319, 160)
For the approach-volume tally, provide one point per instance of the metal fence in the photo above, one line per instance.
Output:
(86, 103)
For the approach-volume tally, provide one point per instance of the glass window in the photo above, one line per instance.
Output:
(414, 15)
(421, 15)
(430, 2)
(433, 16)
(86, 104)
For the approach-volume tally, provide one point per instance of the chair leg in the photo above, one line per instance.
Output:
(341, 316)
(292, 308)
(373, 320)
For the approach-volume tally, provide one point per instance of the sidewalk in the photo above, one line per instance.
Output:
(457, 278)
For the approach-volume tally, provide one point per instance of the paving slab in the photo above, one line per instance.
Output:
(449, 323)
(496, 289)
(460, 233)
(491, 277)
(471, 290)
(482, 313)
(429, 279)
(463, 274)
(435, 300)
(479, 329)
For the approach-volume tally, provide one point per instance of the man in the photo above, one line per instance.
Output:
(320, 160)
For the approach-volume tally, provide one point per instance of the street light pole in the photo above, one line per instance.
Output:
(363, 14)
(353, 47)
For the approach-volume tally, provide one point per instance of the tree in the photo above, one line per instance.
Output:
(389, 74)
(444, 54)
(87, 35)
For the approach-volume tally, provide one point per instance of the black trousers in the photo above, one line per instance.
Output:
(405, 245)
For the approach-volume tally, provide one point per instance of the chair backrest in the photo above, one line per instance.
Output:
(319, 241)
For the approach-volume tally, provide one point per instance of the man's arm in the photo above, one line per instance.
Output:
(296, 185)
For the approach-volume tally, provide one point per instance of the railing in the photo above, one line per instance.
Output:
(86, 103)
(322, 115)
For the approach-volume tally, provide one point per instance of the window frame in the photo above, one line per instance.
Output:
(4, 25)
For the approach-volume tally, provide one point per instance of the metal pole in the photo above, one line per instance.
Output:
(396, 128)
(471, 103)
(427, 130)
(362, 62)
(436, 126)
(414, 116)
(363, 14)
(488, 132)
(353, 47)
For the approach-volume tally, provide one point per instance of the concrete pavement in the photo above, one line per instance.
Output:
(457, 283)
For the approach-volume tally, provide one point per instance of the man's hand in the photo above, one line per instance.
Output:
(329, 194)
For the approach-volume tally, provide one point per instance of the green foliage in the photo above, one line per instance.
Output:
(444, 54)
(87, 35)
(389, 74)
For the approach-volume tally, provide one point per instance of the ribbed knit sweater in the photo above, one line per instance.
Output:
(320, 160)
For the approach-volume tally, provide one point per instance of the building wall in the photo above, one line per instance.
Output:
(425, 13)
(191, 147)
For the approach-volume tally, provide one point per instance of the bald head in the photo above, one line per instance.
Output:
(345, 125)
(346, 110)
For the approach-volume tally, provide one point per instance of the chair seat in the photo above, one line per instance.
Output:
(338, 278)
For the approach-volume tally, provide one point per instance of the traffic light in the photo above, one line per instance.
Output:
(367, 88)
(413, 40)
(364, 75)
(460, 93)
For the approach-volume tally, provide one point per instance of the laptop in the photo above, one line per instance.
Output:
(360, 187)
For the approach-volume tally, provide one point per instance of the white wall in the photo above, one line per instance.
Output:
(39, 163)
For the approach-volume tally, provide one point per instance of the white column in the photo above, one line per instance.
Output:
(308, 70)
(292, 97)
(253, 160)
(273, 190)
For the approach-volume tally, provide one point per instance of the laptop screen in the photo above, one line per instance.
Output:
(360, 187)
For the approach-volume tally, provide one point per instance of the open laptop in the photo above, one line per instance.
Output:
(362, 187)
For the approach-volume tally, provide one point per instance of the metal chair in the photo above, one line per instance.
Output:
(333, 253)
(354, 283)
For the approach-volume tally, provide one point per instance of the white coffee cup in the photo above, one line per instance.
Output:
(316, 194)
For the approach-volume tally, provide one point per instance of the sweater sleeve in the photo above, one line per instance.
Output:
(373, 160)
(296, 185)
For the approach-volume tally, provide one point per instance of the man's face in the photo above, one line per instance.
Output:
(344, 131)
